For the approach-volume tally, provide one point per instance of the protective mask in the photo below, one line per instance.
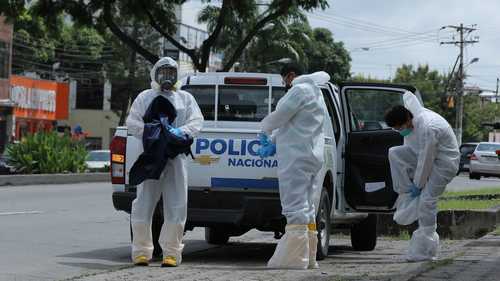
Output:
(167, 86)
(166, 77)
(406, 132)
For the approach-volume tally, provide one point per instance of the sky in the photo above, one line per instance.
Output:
(382, 35)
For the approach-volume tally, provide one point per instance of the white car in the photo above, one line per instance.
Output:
(232, 190)
(485, 161)
(98, 160)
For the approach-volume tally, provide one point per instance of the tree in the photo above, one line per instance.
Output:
(291, 38)
(83, 54)
(68, 49)
(327, 55)
(103, 14)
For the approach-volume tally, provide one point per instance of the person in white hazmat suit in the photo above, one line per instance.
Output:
(421, 169)
(172, 184)
(296, 128)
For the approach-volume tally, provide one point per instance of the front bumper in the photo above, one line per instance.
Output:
(487, 169)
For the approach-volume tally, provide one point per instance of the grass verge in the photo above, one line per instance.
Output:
(467, 204)
(482, 191)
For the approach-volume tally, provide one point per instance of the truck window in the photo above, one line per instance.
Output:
(367, 107)
(332, 112)
(243, 103)
(205, 97)
(278, 93)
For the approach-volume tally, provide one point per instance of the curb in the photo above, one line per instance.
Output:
(16, 180)
(426, 267)
(453, 224)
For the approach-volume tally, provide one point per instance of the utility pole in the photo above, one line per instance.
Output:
(496, 94)
(496, 110)
(460, 89)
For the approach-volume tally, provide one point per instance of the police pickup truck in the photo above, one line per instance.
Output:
(232, 190)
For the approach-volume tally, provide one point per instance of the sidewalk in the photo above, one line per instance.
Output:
(477, 260)
(245, 258)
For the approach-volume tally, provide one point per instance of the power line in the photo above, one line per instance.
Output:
(59, 50)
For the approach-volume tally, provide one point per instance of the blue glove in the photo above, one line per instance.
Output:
(415, 191)
(264, 139)
(267, 150)
(176, 131)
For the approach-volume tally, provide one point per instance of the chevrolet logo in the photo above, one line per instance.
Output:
(206, 160)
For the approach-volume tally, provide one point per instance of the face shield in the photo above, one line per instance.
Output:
(166, 77)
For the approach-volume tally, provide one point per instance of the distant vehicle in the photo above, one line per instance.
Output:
(466, 150)
(484, 161)
(5, 168)
(98, 160)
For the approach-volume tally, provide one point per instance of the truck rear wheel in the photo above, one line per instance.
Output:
(474, 176)
(323, 225)
(364, 234)
(216, 235)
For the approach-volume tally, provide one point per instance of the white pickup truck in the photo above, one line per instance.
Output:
(232, 190)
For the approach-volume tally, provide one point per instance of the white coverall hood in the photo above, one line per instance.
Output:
(412, 103)
(161, 62)
(316, 78)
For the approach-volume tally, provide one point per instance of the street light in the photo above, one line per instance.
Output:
(474, 60)
(55, 67)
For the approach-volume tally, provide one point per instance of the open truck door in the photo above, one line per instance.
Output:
(368, 182)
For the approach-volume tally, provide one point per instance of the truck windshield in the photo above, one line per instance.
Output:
(236, 103)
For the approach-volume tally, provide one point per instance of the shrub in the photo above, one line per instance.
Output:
(47, 153)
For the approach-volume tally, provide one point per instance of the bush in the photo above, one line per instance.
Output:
(47, 153)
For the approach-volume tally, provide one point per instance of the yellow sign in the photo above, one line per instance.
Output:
(206, 159)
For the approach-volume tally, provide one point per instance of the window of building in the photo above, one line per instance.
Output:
(4, 59)
(89, 94)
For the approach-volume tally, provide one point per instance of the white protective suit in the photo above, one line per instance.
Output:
(298, 124)
(172, 184)
(429, 159)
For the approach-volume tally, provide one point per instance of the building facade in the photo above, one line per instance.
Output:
(6, 105)
(38, 104)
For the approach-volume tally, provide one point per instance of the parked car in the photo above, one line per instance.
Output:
(98, 160)
(484, 161)
(466, 150)
(5, 167)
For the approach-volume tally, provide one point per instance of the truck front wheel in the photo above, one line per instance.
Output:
(323, 225)
(216, 235)
(364, 234)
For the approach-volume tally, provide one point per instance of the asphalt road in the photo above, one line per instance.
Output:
(53, 232)
(58, 232)
(462, 183)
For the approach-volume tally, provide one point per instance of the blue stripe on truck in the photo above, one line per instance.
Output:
(244, 183)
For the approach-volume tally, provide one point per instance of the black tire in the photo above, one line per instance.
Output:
(155, 229)
(216, 235)
(474, 176)
(364, 234)
(323, 225)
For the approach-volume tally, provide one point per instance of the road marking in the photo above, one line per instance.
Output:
(19, 213)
